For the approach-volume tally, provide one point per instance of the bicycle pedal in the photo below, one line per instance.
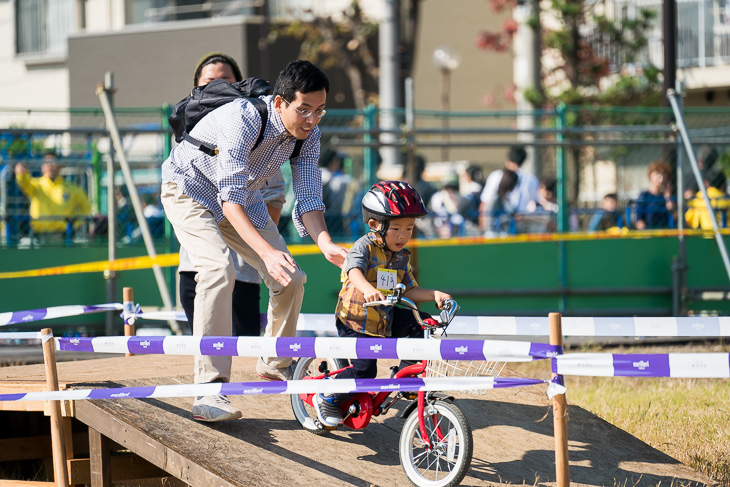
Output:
(324, 427)
(410, 395)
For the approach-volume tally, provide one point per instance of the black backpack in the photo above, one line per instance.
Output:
(204, 99)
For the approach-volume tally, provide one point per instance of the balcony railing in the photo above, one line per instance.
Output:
(703, 32)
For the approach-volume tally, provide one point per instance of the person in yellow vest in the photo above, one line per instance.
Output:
(53, 200)
(697, 215)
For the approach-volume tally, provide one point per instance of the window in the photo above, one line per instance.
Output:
(42, 26)
(142, 11)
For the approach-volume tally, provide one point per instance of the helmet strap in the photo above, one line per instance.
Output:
(383, 228)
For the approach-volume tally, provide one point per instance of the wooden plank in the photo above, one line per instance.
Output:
(126, 467)
(31, 447)
(137, 441)
(21, 387)
(100, 470)
(25, 483)
(103, 369)
(37, 406)
(28, 406)
(25, 448)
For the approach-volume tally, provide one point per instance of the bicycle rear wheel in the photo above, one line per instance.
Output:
(445, 464)
(302, 403)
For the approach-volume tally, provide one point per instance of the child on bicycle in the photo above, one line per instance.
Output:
(374, 265)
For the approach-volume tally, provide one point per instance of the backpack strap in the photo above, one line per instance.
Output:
(297, 149)
(201, 146)
(263, 110)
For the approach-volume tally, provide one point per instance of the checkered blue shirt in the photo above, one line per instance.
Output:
(236, 174)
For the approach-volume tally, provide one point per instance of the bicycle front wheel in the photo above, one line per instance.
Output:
(446, 462)
(302, 403)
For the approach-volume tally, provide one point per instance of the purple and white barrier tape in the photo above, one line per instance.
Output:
(132, 312)
(15, 317)
(323, 347)
(701, 326)
(715, 326)
(288, 387)
(693, 326)
(161, 315)
(21, 335)
(680, 365)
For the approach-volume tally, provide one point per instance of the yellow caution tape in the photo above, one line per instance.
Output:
(170, 260)
(128, 264)
(614, 233)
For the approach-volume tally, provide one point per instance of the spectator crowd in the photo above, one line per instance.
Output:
(507, 201)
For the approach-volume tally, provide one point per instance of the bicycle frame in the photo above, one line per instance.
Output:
(361, 407)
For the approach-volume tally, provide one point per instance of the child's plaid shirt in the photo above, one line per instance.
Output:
(370, 255)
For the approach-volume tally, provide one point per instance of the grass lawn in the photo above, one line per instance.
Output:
(688, 419)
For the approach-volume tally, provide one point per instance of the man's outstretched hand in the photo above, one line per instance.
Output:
(334, 253)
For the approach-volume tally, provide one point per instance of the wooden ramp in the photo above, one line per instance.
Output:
(513, 444)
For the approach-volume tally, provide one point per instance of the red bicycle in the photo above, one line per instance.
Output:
(435, 444)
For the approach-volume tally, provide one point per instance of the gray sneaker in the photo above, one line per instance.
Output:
(268, 372)
(212, 409)
(328, 410)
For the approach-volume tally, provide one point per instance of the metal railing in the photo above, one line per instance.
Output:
(589, 151)
(703, 32)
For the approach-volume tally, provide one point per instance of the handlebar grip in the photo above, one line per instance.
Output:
(448, 311)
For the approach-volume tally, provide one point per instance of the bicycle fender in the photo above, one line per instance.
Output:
(413, 404)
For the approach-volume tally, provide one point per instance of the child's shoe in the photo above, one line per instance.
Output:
(328, 410)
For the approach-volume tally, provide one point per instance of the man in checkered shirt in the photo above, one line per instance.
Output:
(214, 202)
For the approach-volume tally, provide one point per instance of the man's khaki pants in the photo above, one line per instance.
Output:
(207, 244)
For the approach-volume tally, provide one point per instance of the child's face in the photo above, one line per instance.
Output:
(609, 204)
(399, 233)
(656, 179)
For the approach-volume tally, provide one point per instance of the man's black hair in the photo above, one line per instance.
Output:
(551, 184)
(300, 76)
(517, 154)
(215, 58)
(475, 173)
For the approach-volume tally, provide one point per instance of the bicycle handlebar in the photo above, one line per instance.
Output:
(392, 300)
(448, 311)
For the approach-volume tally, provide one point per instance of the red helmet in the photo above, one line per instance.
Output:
(393, 199)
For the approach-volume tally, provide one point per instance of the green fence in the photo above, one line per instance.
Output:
(589, 151)
(590, 277)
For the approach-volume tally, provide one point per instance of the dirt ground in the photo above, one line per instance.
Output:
(512, 428)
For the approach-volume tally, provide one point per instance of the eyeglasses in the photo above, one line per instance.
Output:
(306, 113)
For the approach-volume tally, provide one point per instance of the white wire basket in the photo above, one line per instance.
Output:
(465, 368)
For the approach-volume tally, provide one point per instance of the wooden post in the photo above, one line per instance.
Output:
(58, 441)
(128, 307)
(560, 414)
(99, 459)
